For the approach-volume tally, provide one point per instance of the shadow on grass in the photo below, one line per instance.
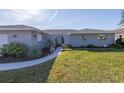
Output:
(35, 74)
(97, 49)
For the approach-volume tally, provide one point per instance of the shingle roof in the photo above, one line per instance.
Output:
(20, 27)
(119, 30)
(71, 31)
(54, 31)
(95, 31)
(17, 27)
(59, 31)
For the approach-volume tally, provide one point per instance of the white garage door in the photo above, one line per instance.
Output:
(3, 39)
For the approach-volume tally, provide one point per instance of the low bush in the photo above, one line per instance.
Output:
(115, 46)
(34, 53)
(120, 41)
(67, 46)
(49, 43)
(82, 46)
(46, 51)
(91, 46)
(70, 46)
(13, 49)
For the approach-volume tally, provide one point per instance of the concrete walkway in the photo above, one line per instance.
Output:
(9, 66)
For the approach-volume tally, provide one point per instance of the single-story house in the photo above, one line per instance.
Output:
(84, 37)
(28, 35)
(32, 36)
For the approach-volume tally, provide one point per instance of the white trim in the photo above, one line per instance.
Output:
(39, 37)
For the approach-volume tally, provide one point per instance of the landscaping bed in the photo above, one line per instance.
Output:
(14, 60)
(75, 65)
(19, 52)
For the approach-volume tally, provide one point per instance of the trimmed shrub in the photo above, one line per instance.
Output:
(70, 46)
(82, 46)
(67, 46)
(46, 51)
(49, 43)
(34, 53)
(115, 46)
(13, 49)
(120, 41)
(91, 46)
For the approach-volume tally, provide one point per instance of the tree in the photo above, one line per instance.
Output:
(121, 23)
(120, 41)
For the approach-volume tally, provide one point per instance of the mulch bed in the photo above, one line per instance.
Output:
(13, 60)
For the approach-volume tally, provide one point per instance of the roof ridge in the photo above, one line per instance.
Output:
(16, 26)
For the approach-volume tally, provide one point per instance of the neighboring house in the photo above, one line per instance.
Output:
(78, 38)
(20, 33)
(119, 32)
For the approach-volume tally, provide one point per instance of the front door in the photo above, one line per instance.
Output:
(59, 40)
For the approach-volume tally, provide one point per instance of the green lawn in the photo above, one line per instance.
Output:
(77, 65)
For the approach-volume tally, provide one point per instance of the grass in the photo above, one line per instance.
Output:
(76, 65)
(34, 74)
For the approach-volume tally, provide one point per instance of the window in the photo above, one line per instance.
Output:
(39, 37)
(84, 37)
(101, 37)
(14, 36)
(35, 36)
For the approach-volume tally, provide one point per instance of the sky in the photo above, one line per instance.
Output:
(62, 18)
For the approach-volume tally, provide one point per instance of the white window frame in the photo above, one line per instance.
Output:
(83, 36)
(39, 37)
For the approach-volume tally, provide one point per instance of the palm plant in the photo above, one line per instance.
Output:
(121, 23)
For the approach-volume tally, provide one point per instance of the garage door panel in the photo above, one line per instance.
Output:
(3, 39)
